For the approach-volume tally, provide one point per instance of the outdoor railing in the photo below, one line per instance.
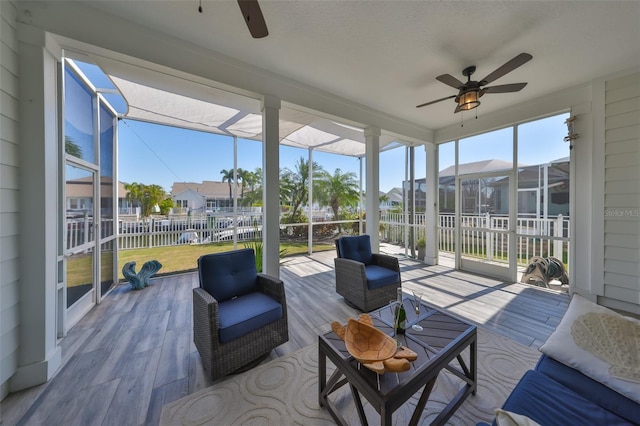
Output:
(160, 232)
(483, 236)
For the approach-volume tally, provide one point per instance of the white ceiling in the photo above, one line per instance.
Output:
(385, 55)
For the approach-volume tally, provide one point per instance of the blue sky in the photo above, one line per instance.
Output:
(154, 154)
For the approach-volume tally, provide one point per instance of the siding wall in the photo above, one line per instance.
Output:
(622, 192)
(9, 276)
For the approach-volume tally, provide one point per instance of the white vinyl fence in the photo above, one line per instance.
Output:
(481, 236)
(484, 235)
(202, 229)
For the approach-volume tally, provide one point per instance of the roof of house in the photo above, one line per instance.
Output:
(478, 167)
(83, 187)
(208, 188)
(395, 195)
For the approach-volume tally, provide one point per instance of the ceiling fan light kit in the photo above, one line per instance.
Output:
(468, 100)
(469, 93)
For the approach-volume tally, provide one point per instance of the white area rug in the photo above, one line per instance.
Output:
(285, 392)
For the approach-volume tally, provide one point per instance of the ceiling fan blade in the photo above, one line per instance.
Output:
(504, 88)
(519, 60)
(457, 109)
(450, 80)
(252, 15)
(437, 100)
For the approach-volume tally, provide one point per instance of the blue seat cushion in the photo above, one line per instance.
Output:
(591, 389)
(377, 276)
(244, 314)
(549, 403)
(229, 274)
(355, 248)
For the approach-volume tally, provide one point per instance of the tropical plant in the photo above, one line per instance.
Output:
(297, 183)
(71, 147)
(134, 191)
(227, 176)
(338, 190)
(258, 247)
(146, 196)
(253, 195)
(242, 179)
(165, 205)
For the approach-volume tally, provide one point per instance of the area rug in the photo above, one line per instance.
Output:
(285, 392)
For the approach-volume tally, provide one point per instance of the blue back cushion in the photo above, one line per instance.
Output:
(549, 403)
(229, 274)
(355, 248)
(589, 388)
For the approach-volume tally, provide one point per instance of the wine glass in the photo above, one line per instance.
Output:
(417, 301)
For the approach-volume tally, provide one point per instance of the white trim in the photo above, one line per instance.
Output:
(596, 227)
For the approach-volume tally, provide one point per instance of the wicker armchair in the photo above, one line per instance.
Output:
(238, 314)
(366, 280)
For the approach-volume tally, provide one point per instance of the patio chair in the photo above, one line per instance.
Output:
(366, 280)
(239, 316)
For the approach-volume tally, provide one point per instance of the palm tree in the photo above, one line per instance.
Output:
(146, 196)
(242, 177)
(71, 147)
(152, 195)
(134, 191)
(339, 189)
(227, 176)
(298, 183)
(254, 184)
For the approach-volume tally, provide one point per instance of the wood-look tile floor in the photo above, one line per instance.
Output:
(134, 352)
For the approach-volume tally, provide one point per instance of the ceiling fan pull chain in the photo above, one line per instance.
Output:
(200, 7)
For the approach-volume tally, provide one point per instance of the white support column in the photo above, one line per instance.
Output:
(431, 205)
(235, 193)
(360, 199)
(271, 185)
(310, 203)
(513, 211)
(372, 155)
(39, 354)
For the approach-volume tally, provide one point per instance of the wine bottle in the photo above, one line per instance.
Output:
(400, 314)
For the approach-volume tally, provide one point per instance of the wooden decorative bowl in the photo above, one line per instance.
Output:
(368, 344)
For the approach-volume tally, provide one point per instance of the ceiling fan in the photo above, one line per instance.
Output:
(469, 93)
(253, 17)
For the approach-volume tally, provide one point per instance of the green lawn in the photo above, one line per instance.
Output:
(185, 257)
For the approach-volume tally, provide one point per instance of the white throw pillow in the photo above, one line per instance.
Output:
(507, 418)
(600, 343)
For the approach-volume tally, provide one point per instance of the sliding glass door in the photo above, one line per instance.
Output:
(89, 197)
(484, 236)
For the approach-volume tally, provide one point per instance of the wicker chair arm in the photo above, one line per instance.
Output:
(351, 268)
(386, 261)
(272, 287)
(350, 273)
(205, 317)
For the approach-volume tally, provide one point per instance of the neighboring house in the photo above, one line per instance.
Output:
(79, 196)
(491, 195)
(208, 195)
(190, 200)
(394, 199)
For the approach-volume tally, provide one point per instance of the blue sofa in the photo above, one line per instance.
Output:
(555, 394)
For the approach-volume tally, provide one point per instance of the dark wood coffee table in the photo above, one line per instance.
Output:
(443, 339)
